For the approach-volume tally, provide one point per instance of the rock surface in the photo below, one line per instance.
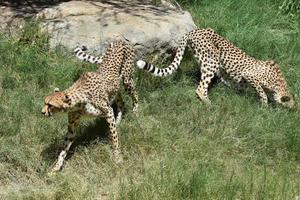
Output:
(95, 24)
(8, 18)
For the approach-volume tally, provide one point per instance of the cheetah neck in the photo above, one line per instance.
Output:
(76, 98)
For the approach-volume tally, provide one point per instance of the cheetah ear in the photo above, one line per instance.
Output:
(56, 89)
(285, 99)
(272, 62)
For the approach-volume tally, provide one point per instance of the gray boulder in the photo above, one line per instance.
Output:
(95, 24)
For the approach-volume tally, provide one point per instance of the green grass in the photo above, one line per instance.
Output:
(178, 148)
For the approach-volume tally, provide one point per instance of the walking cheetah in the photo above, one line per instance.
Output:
(93, 93)
(220, 57)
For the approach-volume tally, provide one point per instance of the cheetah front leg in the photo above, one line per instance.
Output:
(73, 118)
(224, 78)
(259, 89)
(237, 84)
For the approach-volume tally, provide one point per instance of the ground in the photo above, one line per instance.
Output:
(178, 148)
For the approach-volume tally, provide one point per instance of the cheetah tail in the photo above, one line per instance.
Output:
(172, 67)
(80, 53)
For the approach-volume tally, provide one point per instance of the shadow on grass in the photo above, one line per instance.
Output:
(97, 130)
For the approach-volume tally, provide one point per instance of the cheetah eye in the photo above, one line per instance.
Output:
(67, 99)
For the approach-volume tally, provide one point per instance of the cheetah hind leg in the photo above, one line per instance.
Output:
(120, 108)
(130, 89)
(110, 118)
(128, 81)
(209, 68)
(208, 71)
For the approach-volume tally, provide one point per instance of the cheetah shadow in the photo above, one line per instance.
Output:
(96, 130)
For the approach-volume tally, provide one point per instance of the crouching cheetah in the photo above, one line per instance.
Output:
(220, 57)
(93, 93)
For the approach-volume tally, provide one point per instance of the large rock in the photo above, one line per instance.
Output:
(9, 19)
(95, 24)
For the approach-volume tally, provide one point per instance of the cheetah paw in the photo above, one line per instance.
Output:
(57, 167)
(204, 99)
(117, 157)
(135, 111)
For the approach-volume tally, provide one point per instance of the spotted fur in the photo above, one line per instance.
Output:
(220, 57)
(93, 93)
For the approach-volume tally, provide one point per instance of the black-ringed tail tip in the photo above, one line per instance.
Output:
(80, 52)
(154, 70)
(149, 67)
(79, 48)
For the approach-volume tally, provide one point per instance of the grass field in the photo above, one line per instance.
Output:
(178, 148)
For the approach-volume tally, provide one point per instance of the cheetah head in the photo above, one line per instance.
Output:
(282, 95)
(55, 102)
(287, 100)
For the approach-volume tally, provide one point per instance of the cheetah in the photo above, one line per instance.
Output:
(219, 57)
(92, 95)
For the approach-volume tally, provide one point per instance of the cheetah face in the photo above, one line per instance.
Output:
(54, 103)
